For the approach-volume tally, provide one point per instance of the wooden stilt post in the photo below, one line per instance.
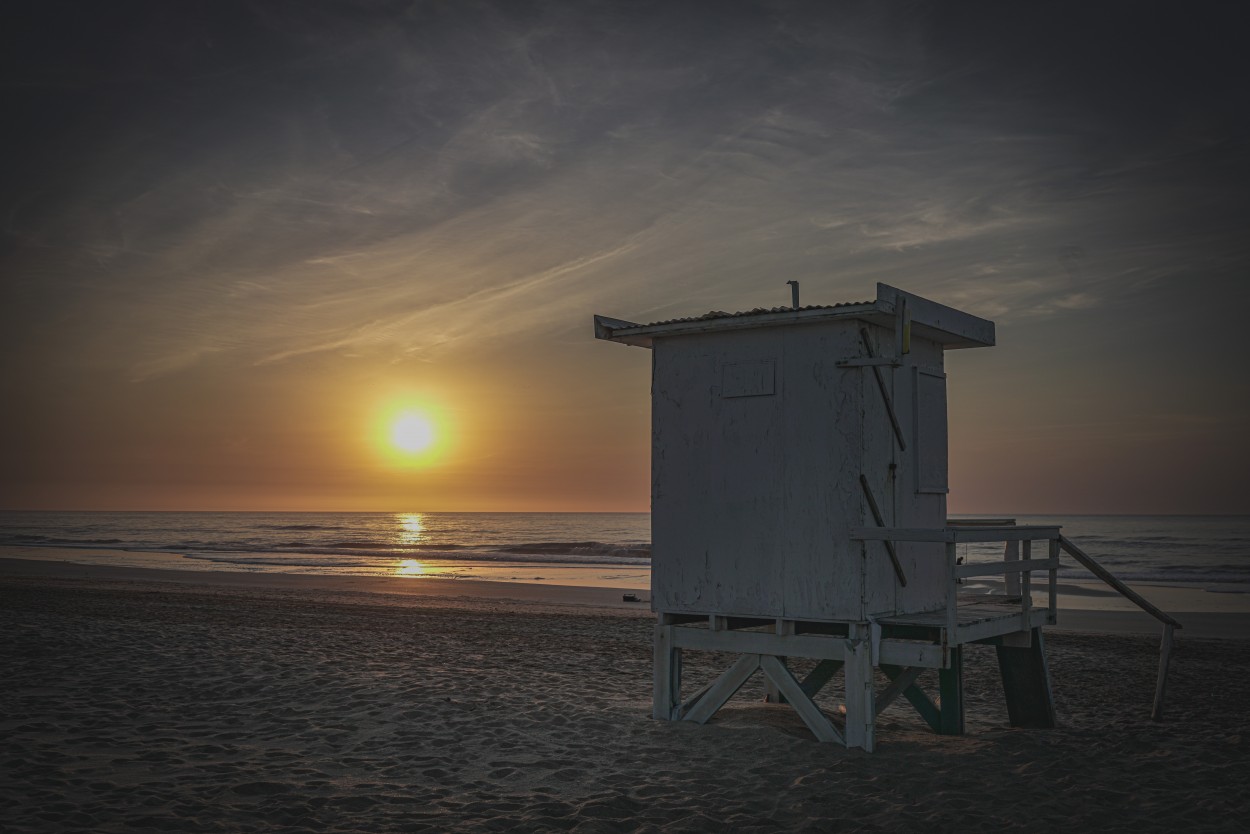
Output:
(1026, 684)
(861, 711)
(951, 692)
(666, 673)
(772, 694)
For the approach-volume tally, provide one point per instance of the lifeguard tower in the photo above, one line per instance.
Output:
(799, 480)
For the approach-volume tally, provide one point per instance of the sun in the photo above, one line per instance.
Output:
(412, 432)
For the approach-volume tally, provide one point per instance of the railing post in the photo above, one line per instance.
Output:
(1053, 583)
(1011, 582)
(1165, 656)
(952, 595)
(1026, 588)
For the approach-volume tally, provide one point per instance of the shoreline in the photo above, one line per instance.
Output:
(1097, 610)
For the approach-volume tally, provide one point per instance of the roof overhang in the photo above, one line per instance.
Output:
(947, 326)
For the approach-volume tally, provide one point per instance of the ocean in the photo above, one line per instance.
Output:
(593, 549)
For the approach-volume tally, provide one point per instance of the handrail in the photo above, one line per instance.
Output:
(1108, 577)
(985, 530)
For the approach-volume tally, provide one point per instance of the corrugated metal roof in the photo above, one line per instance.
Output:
(758, 311)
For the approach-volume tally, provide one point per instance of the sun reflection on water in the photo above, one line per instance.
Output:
(411, 528)
(410, 567)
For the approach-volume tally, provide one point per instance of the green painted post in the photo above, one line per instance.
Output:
(1026, 684)
(951, 690)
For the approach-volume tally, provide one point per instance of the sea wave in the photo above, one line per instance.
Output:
(280, 560)
(300, 527)
(56, 541)
(580, 548)
(383, 559)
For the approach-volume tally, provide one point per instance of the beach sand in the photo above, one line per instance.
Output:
(241, 702)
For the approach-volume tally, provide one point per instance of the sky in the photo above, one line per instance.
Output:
(240, 238)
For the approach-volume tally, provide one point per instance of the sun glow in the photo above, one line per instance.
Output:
(412, 432)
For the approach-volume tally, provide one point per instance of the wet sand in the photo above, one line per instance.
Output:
(242, 702)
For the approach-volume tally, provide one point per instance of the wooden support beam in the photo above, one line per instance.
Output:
(1165, 657)
(876, 515)
(905, 679)
(885, 392)
(815, 720)
(917, 698)
(723, 689)
(666, 675)
(682, 619)
(757, 642)
(905, 653)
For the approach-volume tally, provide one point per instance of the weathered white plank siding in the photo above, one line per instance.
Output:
(759, 441)
(823, 433)
(717, 513)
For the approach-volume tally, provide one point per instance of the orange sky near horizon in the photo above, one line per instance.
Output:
(238, 243)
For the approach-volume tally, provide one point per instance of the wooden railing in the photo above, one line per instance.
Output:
(1021, 567)
(1017, 562)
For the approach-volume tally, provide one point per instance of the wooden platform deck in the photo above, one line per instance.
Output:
(978, 617)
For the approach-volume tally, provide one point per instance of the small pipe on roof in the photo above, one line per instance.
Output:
(794, 293)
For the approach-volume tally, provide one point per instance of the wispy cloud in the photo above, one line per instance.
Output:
(284, 185)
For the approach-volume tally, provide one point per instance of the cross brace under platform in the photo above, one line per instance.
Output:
(855, 650)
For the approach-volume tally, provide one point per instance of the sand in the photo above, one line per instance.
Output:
(135, 703)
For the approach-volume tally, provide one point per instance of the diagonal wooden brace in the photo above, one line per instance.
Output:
(880, 519)
(898, 685)
(915, 696)
(815, 720)
(723, 689)
(885, 392)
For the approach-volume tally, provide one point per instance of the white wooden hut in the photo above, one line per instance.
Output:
(799, 480)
